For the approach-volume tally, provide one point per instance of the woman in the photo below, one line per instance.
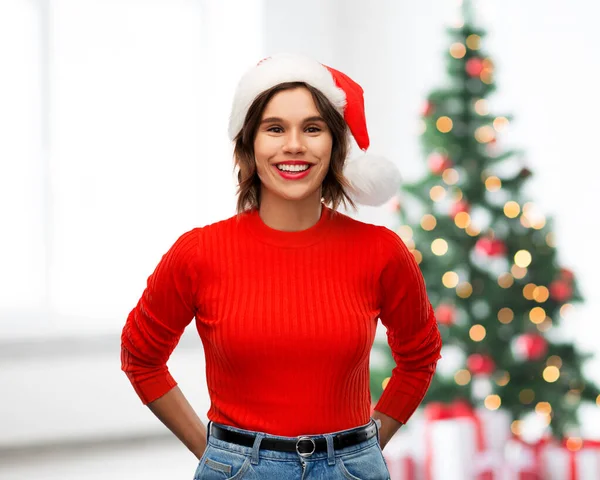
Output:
(286, 296)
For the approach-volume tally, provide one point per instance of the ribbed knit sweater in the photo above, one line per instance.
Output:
(287, 321)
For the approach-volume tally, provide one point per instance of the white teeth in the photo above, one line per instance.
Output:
(293, 168)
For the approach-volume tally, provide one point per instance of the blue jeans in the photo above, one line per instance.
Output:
(224, 460)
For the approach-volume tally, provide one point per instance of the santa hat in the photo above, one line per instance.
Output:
(374, 180)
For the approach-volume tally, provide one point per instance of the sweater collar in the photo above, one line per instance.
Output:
(302, 238)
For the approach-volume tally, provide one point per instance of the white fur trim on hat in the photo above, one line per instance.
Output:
(374, 180)
(281, 68)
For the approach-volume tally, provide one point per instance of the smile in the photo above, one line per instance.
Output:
(290, 171)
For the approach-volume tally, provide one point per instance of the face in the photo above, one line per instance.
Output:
(292, 147)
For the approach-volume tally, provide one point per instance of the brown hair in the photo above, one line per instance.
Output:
(334, 184)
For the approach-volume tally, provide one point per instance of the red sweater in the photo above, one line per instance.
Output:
(287, 320)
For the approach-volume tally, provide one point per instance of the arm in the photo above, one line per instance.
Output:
(152, 331)
(175, 412)
(412, 333)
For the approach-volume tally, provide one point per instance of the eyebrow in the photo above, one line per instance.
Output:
(280, 120)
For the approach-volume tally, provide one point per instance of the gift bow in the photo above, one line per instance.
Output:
(592, 444)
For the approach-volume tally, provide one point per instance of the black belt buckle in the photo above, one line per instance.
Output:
(305, 439)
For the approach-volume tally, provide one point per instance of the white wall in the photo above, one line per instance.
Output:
(547, 65)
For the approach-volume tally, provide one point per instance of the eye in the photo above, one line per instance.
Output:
(275, 129)
(313, 129)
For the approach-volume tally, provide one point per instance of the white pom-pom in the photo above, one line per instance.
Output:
(374, 180)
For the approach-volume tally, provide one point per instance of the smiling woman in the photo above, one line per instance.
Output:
(289, 289)
(292, 122)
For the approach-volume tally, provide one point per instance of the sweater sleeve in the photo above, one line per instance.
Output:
(154, 326)
(412, 330)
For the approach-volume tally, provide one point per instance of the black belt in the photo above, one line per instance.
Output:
(304, 445)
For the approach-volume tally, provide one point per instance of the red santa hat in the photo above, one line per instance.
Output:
(374, 180)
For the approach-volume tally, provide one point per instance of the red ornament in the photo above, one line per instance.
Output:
(458, 207)
(438, 163)
(567, 275)
(428, 109)
(530, 346)
(560, 291)
(479, 364)
(445, 314)
(491, 247)
(474, 66)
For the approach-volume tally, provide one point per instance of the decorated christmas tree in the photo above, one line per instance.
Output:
(488, 256)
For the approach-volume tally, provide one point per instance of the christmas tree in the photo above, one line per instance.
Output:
(488, 257)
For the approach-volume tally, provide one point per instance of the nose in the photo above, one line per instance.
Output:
(294, 142)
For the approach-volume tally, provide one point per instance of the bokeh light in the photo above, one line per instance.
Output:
(428, 222)
(450, 279)
(444, 124)
(439, 246)
(477, 333)
(537, 315)
(523, 258)
(551, 374)
(506, 315)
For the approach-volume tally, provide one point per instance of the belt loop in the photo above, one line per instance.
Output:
(256, 448)
(208, 430)
(377, 423)
(330, 450)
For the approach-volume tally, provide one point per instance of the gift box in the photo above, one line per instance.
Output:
(574, 459)
(400, 457)
(523, 460)
(463, 443)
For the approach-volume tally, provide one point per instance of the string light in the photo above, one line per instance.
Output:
(545, 325)
(428, 222)
(482, 107)
(511, 209)
(492, 402)
(518, 272)
(485, 134)
(472, 230)
(450, 279)
(450, 176)
(477, 333)
(418, 255)
(473, 41)
(526, 396)
(437, 193)
(554, 361)
(493, 183)
(543, 408)
(528, 291)
(541, 294)
(462, 377)
(439, 247)
(551, 374)
(500, 123)
(523, 258)
(457, 194)
(551, 239)
(506, 280)
(405, 232)
(458, 50)
(565, 309)
(537, 315)
(464, 290)
(515, 427)
(462, 219)
(503, 379)
(574, 444)
(444, 124)
(506, 315)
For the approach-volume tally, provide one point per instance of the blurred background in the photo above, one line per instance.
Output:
(113, 142)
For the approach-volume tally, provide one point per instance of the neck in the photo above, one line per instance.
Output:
(289, 215)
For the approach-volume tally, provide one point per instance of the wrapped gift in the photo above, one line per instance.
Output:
(571, 460)
(400, 457)
(523, 460)
(461, 444)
